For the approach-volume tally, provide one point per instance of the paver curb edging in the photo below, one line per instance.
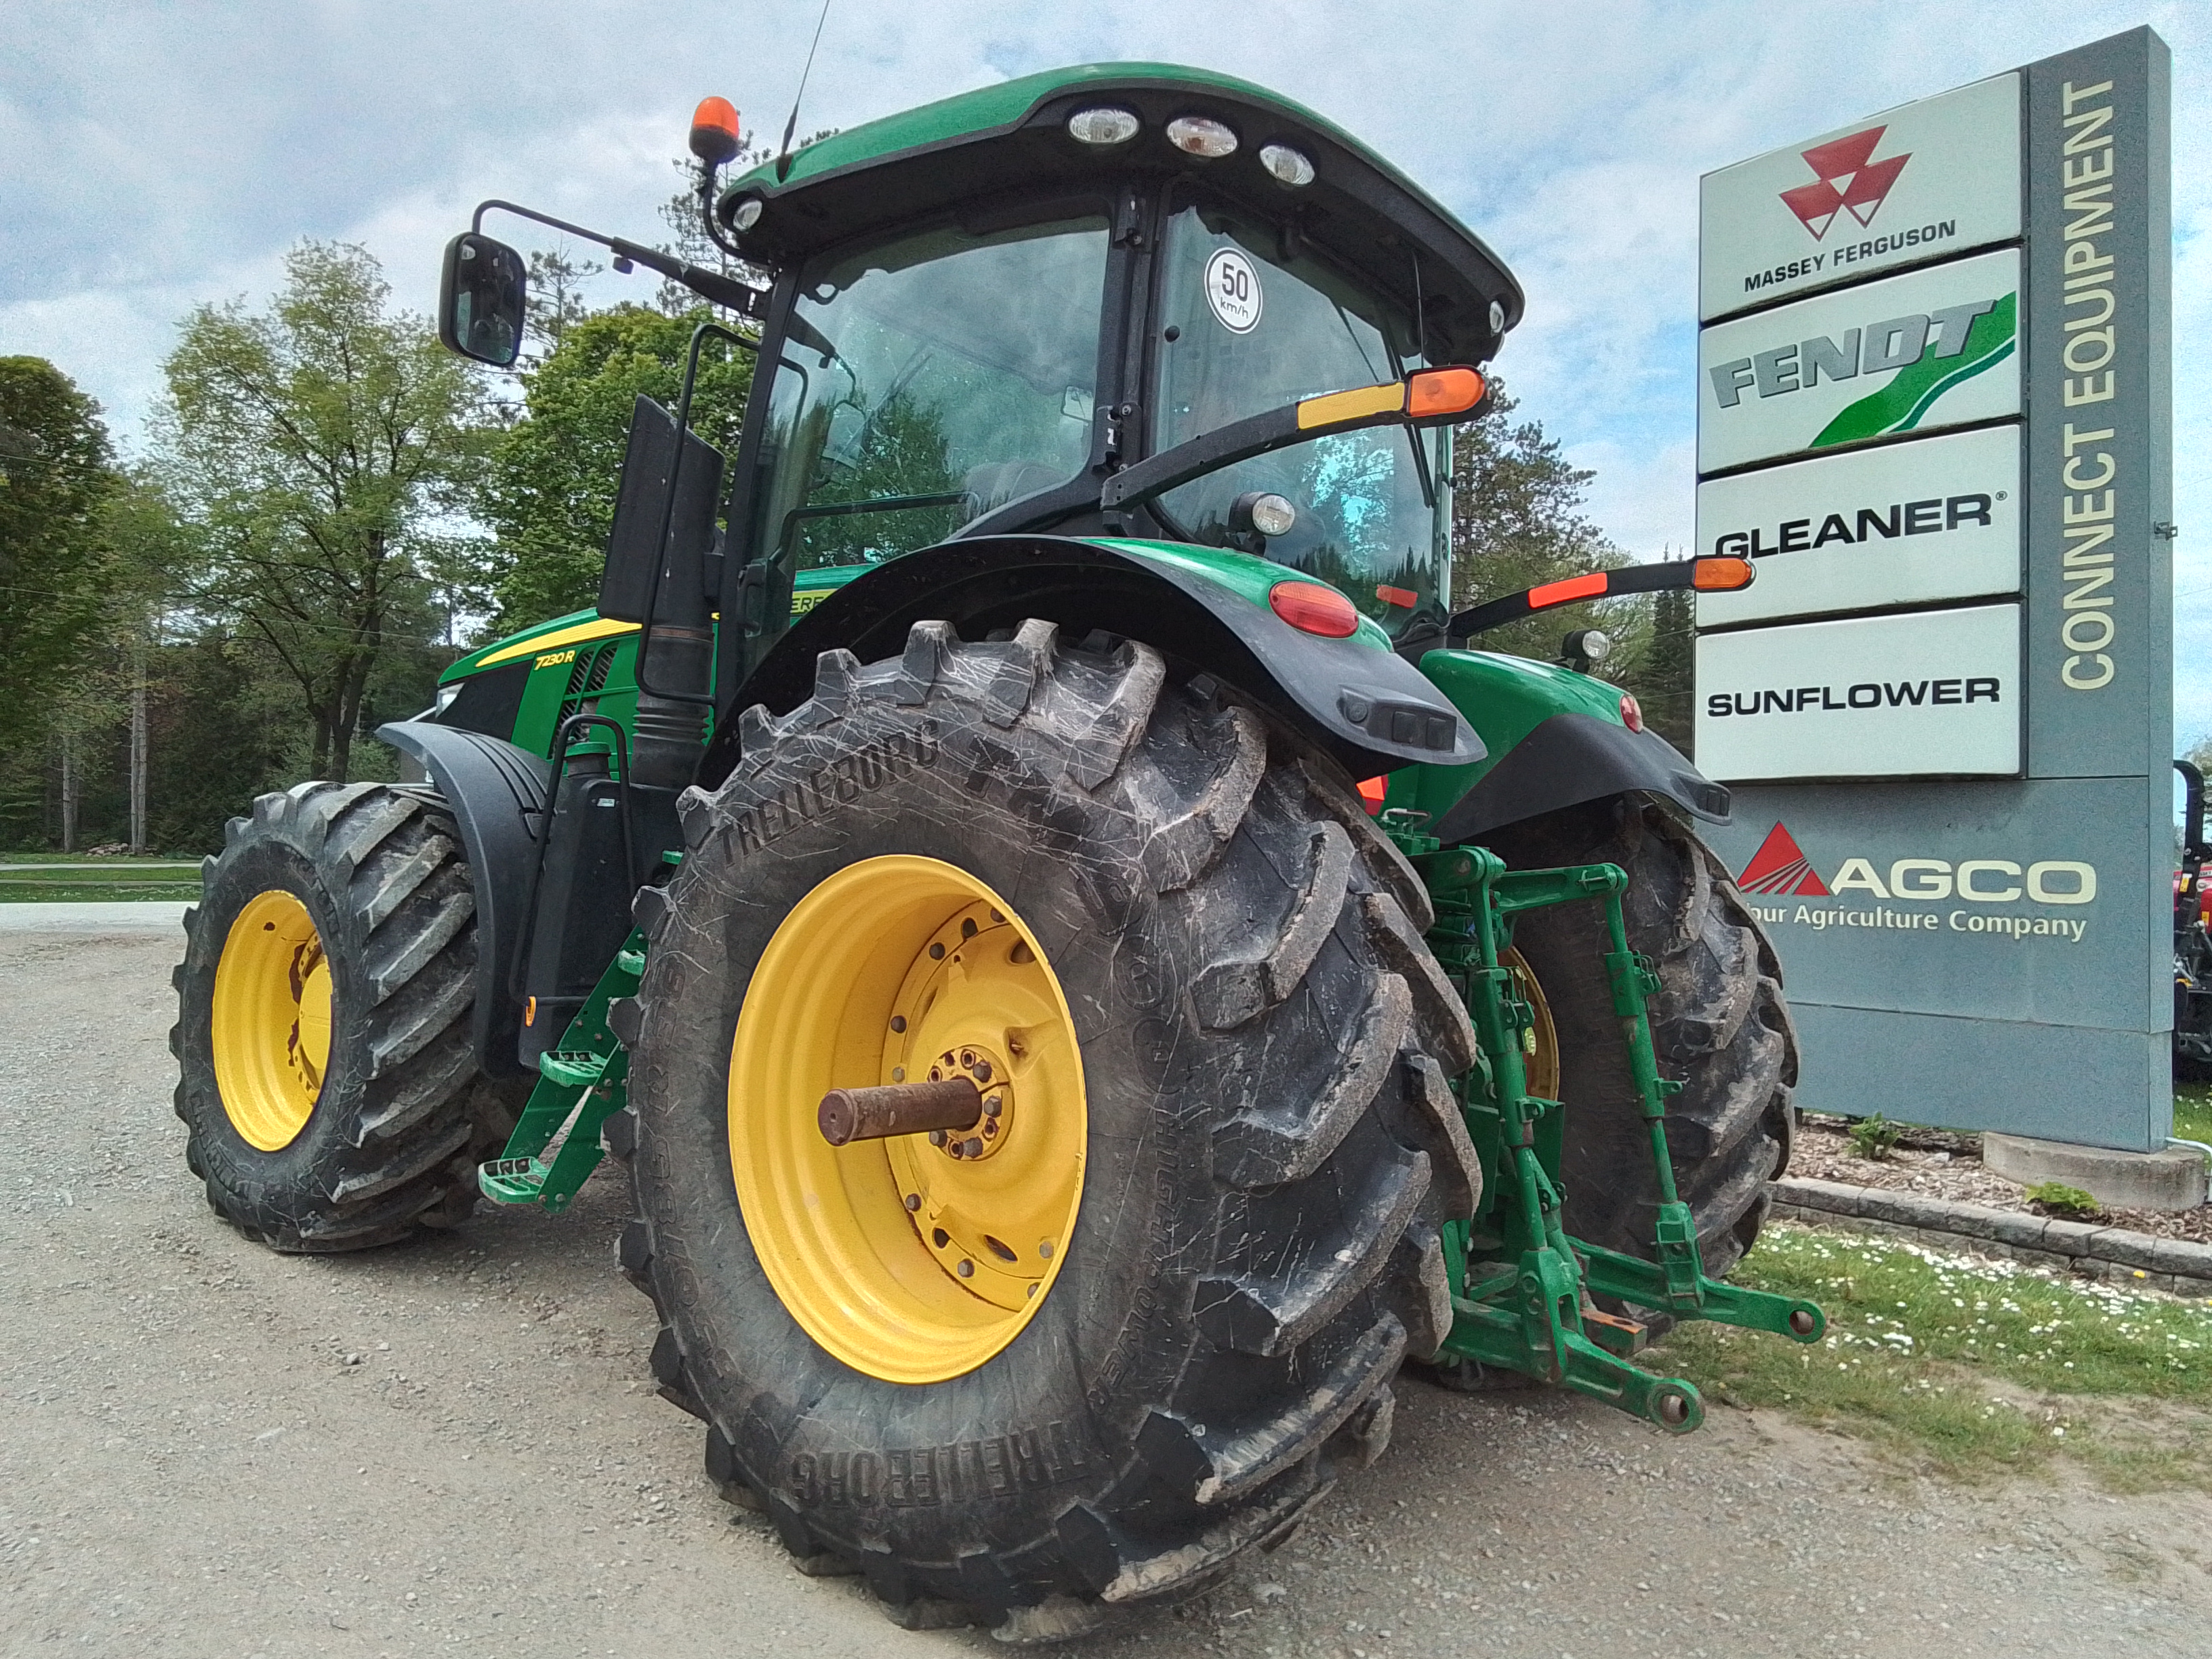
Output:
(2113, 1253)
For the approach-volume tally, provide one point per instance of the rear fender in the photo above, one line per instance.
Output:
(1205, 610)
(496, 792)
(1555, 739)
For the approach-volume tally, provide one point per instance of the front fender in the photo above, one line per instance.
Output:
(497, 795)
(1556, 738)
(1206, 610)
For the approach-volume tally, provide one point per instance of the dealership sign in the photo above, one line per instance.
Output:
(1913, 352)
(1913, 524)
(1907, 695)
(1935, 179)
(1932, 388)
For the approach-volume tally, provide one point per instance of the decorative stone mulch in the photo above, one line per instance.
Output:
(1935, 1164)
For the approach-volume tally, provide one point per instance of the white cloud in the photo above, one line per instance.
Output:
(170, 155)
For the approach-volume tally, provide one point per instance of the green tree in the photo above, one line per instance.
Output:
(57, 478)
(1519, 520)
(1666, 682)
(687, 236)
(316, 450)
(550, 491)
(554, 301)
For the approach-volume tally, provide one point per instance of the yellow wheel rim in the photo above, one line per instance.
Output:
(1541, 1050)
(272, 1024)
(910, 1260)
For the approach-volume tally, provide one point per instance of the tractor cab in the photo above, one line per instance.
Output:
(979, 313)
(984, 308)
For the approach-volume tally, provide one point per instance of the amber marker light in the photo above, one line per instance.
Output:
(714, 135)
(1312, 609)
(1438, 391)
(1721, 576)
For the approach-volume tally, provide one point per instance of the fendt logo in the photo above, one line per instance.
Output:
(1847, 178)
(1780, 869)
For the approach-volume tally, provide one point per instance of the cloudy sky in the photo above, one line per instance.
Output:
(156, 156)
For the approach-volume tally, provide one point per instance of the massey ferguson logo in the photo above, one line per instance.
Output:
(1780, 869)
(1847, 178)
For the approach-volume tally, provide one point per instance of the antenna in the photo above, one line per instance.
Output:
(783, 156)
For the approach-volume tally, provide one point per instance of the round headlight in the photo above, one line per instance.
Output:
(1101, 127)
(746, 214)
(1201, 135)
(1289, 166)
(1273, 516)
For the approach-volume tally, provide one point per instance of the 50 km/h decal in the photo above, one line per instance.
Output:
(1232, 290)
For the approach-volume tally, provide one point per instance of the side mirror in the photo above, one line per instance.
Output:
(480, 300)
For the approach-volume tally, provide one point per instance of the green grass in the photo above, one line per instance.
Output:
(32, 879)
(1971, 1367)
(2192, 1111)
(119, 860)
(65, 892)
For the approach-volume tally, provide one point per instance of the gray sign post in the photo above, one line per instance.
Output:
(1935, 407)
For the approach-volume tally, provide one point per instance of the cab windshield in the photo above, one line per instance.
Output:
(925, 382)
(1242, 329)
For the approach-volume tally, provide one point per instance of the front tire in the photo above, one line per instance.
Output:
(1719, 1025)
(1263, 1043)
(325, 1070)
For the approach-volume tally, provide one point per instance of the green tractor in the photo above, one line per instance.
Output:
(1086, 974)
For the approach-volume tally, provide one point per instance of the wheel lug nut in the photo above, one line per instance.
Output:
(971, 1147)
(967, 1270)
(937, 1137)
(994, 1106)
(982, 1071)
(898, 1022)
(913, 1201)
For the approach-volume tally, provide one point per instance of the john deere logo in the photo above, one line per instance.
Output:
(1847, 179)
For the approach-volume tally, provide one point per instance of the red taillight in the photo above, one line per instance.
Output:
(1632, 713)
(1312, 609)
(1565, 592)
(1374, 791)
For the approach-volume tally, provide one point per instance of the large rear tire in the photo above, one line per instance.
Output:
(1267, 1142)
(1719, 1024)
(325, 1070)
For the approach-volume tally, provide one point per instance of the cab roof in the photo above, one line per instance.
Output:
(965, 153)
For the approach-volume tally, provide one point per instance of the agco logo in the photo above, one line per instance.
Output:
(1780, 869)
(1847, 178)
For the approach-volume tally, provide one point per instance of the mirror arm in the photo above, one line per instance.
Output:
(709, 285)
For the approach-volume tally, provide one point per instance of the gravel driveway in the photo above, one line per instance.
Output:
(206, 1449)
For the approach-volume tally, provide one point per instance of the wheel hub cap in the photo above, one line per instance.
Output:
(270, 1024)
(917, 1257)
